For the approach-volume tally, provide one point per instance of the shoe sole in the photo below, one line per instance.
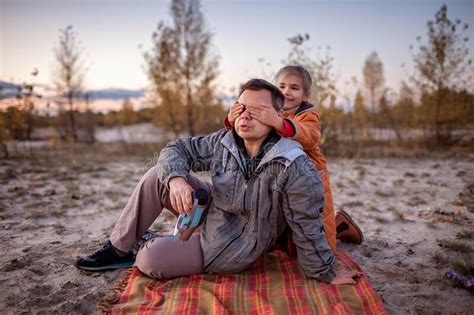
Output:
(348, 218)
(108, 267)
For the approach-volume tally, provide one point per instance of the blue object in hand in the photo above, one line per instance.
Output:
(188, 223)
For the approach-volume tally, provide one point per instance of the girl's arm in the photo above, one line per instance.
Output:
(304, 128)
(307, 129)
(234, 112)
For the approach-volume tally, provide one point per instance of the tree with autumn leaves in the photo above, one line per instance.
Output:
(442, 74)
(182, 69)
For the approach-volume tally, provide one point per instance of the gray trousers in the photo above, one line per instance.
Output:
(159, 257)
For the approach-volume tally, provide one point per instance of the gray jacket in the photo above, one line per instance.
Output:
(247, 216)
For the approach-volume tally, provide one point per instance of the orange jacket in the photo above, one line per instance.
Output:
(307, 125)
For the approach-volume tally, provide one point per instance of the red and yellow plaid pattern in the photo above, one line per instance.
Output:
(272, 285)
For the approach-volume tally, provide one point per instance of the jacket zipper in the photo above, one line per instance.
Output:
(218, 254)
(241, 231)
(245, 195)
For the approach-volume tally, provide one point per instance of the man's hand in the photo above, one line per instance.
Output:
(181, 195)
(267, 115)
(345, 277)
(234, 112)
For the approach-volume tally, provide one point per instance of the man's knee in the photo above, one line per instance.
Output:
(150, 259)
(164, 258)
(150, 177)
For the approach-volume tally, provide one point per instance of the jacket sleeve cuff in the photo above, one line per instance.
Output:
(288, 129)
(227, 123)
(167, 179)
(328, 277)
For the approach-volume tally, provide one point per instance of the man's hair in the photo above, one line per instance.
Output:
(299, 71)
(260, 84)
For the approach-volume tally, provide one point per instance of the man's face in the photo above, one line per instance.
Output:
(248, 128)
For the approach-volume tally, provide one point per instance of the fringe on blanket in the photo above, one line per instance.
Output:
(106, 303)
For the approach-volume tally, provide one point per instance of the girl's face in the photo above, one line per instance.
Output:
(291, 85)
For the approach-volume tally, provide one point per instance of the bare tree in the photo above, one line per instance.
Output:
(386, 117)
(320, 67)
(4, 136)
(181, 66)
(374, 78)
(405, 112)
(165, 77)
(28, 107)
(360, 115)
(69, 73)
(441, 64)
(19, 116)
(89, 121)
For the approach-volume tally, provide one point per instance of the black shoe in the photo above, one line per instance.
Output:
(105, 259)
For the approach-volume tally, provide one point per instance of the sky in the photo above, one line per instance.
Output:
(244, 32)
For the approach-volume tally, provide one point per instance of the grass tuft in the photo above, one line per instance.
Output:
(464, 267)
(373, 209)
(438, 257)
(399, 216)
(456, 246)
(466, 234)
(58, 212)
(398, 182)
(380, 219)
(353, 204)
(431, 225)
(340, 185)
(384, 194)
(36, 214)
(442, 212)
(416, 201)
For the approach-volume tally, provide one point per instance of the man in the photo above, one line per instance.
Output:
(261, 184)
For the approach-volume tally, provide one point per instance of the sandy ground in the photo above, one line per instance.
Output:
(416, 214)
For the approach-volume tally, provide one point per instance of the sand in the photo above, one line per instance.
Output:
(52, 211)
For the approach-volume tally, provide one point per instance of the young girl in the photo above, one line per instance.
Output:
(301, 122)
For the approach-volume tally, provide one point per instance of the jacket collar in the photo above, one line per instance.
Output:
(284, 148)
(269, 141)
(304, 107)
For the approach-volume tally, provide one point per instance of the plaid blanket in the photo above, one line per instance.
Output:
(272, 285)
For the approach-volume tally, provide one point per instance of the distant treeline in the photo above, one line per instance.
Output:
(407, 119)
(19, 121)
(405, 122)
(19, 124)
